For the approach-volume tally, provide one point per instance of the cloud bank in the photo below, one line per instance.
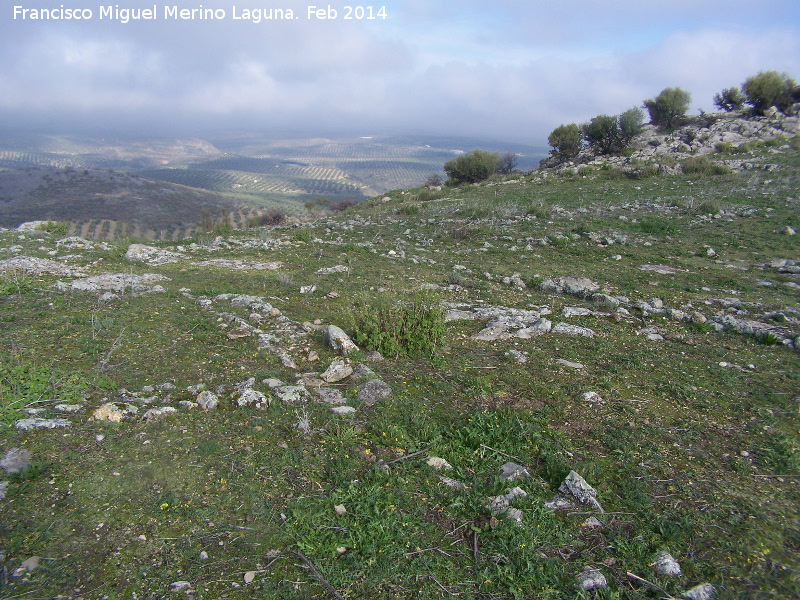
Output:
(502, 69)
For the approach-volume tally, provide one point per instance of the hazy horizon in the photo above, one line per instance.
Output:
(503, 70)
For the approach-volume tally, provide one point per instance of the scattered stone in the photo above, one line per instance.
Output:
(337, 371)
(203, 556)
(152, 255)
(452, 483)
(3, 489)
(340, 509)
(28, 424)
(591, 397)
(343, 410)
(578, 488)
(71, 409)
(332, 270)
(187, 404)
(312, 356)
(108, 412)
(439, 463)
(539, 327)
(252, 398)
(591, 579)
(273, 383)
(207, 400)
(15, 460)
(664, 564)
(567, 329)
(340, 341)
(240, 265)
(511, 471)
(238, 333)
(374, 356)
(517, 356)
(179, 586)
(571, 365)
(330, 396)
(156, 414)
(292, 394)
(35, 266)
(308, 289)
(119, 283)
(592, 523)
(786, 230)
(660, 269)
(704, 591)
(362, 371)
(575, 311)
(559, 503)
(575, 286)
(372, 391)
(287, 361)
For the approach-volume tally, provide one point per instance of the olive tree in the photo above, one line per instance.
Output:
(770, 88)
(472, 167)
(566, 141)
(669, 107)
(729, 99)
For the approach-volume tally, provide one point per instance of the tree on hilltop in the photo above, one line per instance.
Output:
(472, 167)
(770, 88)
(669, 107)
(566, 141)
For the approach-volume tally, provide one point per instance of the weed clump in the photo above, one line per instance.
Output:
(701, 165)
(394, 328)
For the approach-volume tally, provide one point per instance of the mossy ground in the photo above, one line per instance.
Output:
(686, 455)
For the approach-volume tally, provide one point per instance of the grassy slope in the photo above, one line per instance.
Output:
(131, 513)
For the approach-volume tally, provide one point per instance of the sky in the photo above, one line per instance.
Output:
(499, 69)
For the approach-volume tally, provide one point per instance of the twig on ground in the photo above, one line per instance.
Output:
(667, 595)
(315, 574)
(407, 456)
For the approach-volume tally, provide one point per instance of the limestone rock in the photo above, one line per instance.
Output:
(372, 391)
(156, 414)
(254, 398)
(577, 487)
(330, 396)
(151, 254)
(343, 410)
(332, 270)
(337, 371)
(28, 424)
(664, 564)
(575, 286)
(511, 471)
(292, 394)
(567, 329)
(591, 579)
(704, 591)
(591, 397)
(439, 463)
(340, 341)
(108, 412)
(207, 401)
(15, 460)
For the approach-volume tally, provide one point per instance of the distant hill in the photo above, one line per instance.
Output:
(69, 194)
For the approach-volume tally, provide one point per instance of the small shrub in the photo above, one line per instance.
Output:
(657, 226)
(409, 210)
(729, 99)
(56, 228)
(708, 207)
(303, 234)
(507, 164)
(585, 170)
(414, 329)
(609, 135)
(343, 205)
(434, 180)
(701, 165)
(275, 216)
(770, 88)
(669, 107)
(566, 141)
(472, 167)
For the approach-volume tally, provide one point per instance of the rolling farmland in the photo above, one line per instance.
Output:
(79, 179)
